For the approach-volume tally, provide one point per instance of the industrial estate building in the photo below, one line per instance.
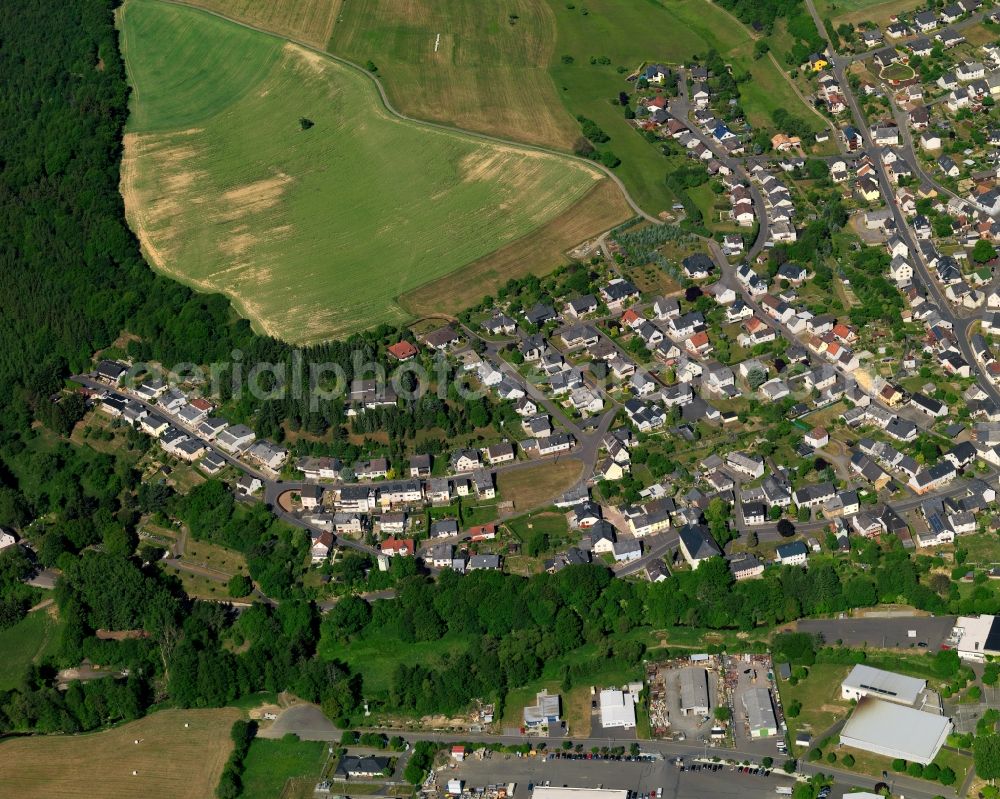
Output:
(545, 792)
(617, 709)
(544, 712)
(760, 713)
(694, 691)
(867, 681)
(975, 637)
(895, 731)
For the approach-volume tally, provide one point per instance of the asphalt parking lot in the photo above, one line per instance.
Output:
(641, 777)
(882, 632)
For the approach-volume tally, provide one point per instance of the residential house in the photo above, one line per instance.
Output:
(697, 544)
(793, 554)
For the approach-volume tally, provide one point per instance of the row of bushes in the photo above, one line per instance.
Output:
(231, 782)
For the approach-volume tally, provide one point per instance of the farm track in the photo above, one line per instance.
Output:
(387, 104)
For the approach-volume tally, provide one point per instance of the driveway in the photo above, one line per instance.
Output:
(305, 721)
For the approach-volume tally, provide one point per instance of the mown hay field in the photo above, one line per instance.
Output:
(312, 232)
(482, 66)
(309, 21)
(171, 761)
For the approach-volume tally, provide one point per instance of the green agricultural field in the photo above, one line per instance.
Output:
(312, 231)
(485, 74)
(499, 68)
(271, 763)
(482, 66)
(31, 639)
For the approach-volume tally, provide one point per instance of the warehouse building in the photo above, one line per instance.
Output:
(760, 713)
(545, 711)
(975, 637)
(866, 681)
(895, 731)
(694, 691)
(617, 710)
(545, 792)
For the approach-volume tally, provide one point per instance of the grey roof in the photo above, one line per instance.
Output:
(363, 764)
(694, 687)
(885, 684)
(895, 730)
(760, 713)
(484, 562)
(698, 541)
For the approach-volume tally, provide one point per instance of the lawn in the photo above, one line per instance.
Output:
(552, 523)
(31, 639)
(873, 765)
(480, 66)
(271, 763)
(170, 761)
(200, 585)
(207, 555)
(983, 548)
(312, 232)
(897, 72)
(819, 694)
(539, 484)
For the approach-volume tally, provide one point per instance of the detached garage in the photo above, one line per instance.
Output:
(895, 731)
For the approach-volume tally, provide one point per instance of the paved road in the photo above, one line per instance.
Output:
(680, 107)
(961, 325)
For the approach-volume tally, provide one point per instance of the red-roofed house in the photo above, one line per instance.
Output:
(631, 319)
(398, 546)
(699, 344)
(402, 351)
(201, 404)
(844, 333)
(483, 532)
